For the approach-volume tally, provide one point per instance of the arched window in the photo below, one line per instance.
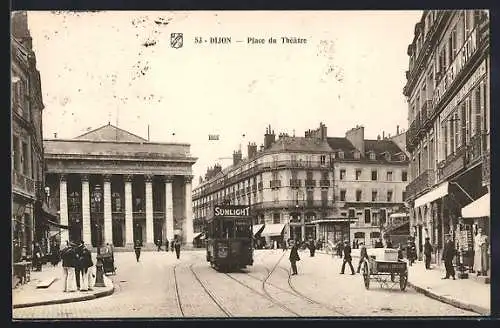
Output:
(74, 202)
(96, 199)
(116, 204)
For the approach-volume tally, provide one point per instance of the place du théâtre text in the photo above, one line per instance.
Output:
(250, 40)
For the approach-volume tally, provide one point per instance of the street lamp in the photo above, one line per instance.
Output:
(302, 216)
(99, 276)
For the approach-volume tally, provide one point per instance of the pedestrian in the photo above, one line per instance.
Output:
(353, 244)
(411, 251)
(177, 246)
(363, 254)
(294, 257)
(400, 252)
(312, 248)
(347, 257)
(158, 243)
(284, 245)
(37, 256)
(357, 243)
(172, 246)
(340, 249)
(449, 253)
(68, 257)
(388, 243)
(166, 244)
(379, 244)
(77, 263)
(427, 253)
(137, 249)
(85, 264)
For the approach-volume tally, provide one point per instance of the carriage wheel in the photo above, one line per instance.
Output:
(403, 280)
(366, 275)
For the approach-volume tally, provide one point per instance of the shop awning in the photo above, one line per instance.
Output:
(197, 235)
(398, 215)
(438, 192)
(257, 229)
(478, 208)
(272, 230)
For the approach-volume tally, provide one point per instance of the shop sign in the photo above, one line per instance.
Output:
(471, 82)
(466, 52)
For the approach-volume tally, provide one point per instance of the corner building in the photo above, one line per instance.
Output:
(310, 187)
(111, 186)
(449, 131)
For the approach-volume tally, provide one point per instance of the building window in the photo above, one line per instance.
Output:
(358, 195)
(342, 174)
(374, 196)
(402, 157)
(324, 198)
(276, 197)
(358, 174)
(404, 196)
(342, 195)
(310, 197)
(309, 175)
(374, 175)
(323, 159)
(352, 213)
(368, 216)
(404, 176)
(383, 215)
(356, 155)
(25, 159)
(389, 196)
(341, 154)
(16, 153)
(74, 202)
(276, 218)
(389, 176)
(116, 205)
(372, 156)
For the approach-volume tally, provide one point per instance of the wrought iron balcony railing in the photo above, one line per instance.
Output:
(421, 183)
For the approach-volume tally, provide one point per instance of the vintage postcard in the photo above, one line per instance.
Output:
(250, 164)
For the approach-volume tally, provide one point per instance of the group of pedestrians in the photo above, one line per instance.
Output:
(76, 262)
(175, 245)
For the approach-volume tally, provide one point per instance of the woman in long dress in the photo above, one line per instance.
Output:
(480, 247)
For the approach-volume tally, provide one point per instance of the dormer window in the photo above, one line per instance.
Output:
(387, 156)
(402, 157)
(356, 155)
(341, 154)
(372, 156)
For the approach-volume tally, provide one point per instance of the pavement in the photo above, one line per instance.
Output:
(28, 295)
(467, 294)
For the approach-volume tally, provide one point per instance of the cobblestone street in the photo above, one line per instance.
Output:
(162, 286)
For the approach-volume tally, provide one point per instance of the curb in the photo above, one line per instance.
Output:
(68, 300)
(448, 300)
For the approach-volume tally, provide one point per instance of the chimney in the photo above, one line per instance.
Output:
(19, 24)
(378, 137)
(397, 130)
(237, 157)
(261, 147)
(383, 134)
(357, 137)
(269, 138)
(55, 135)
(323, 131)
(252, 150)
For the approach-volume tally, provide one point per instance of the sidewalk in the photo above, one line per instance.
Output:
(28, 295)
(466, 294)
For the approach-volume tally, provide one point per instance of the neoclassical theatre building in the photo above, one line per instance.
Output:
(111, 186)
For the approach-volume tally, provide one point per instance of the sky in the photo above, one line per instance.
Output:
(120, 67)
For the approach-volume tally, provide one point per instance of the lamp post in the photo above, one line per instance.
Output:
(99, 276)
(302, 216)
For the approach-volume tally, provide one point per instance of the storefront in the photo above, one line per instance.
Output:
(273, 234)
(333, 230)
(473, 234)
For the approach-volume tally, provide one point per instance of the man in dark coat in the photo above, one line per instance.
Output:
(294, 257)
(78, 263)
(449, 253)
(158, 244)
(312, 248)
(166, 244)
(411, 251)
(363, 254)
(137, 249)
(427, 253)
(388, 243)
(379, 244)
(177, 246)
(347, 258)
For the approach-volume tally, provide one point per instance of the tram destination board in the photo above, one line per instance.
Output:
(231, 210)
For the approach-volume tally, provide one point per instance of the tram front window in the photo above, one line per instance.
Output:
(243, 231)
(227, 229)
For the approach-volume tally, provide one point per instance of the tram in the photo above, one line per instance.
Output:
(229, 237)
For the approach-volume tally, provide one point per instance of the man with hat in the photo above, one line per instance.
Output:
(448, 255)
(347, 257)
(411, 251)
(427, 253)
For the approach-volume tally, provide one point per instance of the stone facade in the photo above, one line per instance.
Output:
(114, 187)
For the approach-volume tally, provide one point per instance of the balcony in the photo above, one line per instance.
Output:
(301, 205)
(295, 183)
(310, 183)
(275, 184)
(324, 183)
(474, 151)
(421, 183)
(24, 184)
(486, 169)
(452, 164)
(427, 111)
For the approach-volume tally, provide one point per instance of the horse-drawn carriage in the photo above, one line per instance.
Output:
(385, 268)
(108, 260)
